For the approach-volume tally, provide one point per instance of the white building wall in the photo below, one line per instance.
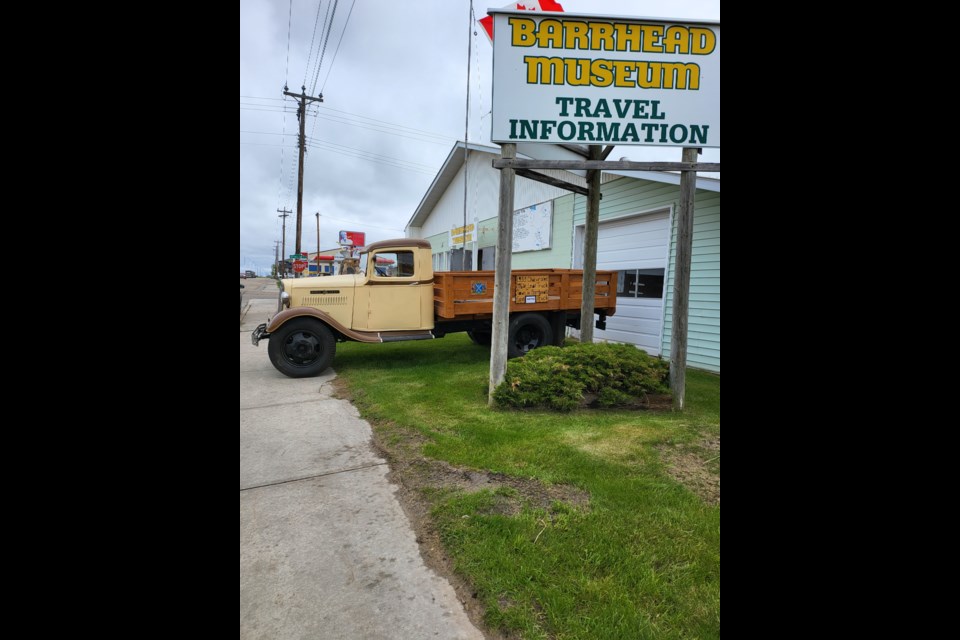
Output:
(483, 195)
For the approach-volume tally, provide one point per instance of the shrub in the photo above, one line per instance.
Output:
(558, 378)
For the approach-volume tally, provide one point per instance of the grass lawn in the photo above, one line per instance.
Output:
(639, 557)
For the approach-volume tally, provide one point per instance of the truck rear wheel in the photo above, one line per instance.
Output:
(528, 331)
(302, 348)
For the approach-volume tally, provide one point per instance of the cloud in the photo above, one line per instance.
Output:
(393, 108)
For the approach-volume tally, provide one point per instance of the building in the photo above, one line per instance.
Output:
(326, 265)
(636, 238)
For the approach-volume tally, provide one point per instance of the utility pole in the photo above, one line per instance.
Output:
(276, 257)
(302, 117)
(318, 244)
(284, 213)
(590, 231)
(681, 281)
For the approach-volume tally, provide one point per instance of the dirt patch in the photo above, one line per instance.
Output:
(695, 466)
(414, 475)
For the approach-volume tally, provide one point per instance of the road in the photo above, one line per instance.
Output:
(325, 549)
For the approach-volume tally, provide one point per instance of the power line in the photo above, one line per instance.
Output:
(329, 26)
(285, 110)
(316, 109)
(370, 159)
(392, 124)
(330, 68)
(286, 71)
(267, 133)
(371, 153)
(388, 132)
(352, 152)
(360, 155)
(360, 224)
(316, 21)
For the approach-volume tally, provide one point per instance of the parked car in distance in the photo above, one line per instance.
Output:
(243, 276)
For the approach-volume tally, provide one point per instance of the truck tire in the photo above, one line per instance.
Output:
(528, 331)
(302, 348)
(481, 338)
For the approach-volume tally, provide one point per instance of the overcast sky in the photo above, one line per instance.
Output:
(394, 82)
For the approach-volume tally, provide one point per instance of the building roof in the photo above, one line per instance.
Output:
(443, 179)
(455, 159)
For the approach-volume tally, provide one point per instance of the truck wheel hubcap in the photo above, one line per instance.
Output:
(528, 339)
(302, 348)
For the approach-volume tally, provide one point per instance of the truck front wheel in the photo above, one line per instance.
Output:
(302, 348)
(528, 331)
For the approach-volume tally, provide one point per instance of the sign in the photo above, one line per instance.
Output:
(564, 78)
(532, 227)
(299, 265)
(353, 238)
(458, 235)
(298, 256)
(532, 289)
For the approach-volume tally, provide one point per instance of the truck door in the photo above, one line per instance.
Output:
(393, 293)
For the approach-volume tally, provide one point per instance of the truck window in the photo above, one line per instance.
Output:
(394, 264)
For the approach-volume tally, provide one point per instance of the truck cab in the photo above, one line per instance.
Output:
(395, 288)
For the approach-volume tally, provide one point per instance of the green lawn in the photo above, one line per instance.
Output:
(640, 560)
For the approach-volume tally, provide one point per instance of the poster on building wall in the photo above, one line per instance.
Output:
(532, 227)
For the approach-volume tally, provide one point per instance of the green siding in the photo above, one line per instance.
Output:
(628, 195)
(703, 319)
(488, 233)
(438, 243)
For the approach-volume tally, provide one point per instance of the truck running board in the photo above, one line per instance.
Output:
(401, 336)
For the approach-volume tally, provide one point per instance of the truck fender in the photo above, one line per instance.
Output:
(340, 331)
(278, 320)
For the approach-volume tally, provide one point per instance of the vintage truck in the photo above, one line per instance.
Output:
(397, 296)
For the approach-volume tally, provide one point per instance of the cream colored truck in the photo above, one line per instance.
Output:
(397, 296)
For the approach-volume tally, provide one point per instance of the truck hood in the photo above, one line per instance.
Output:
(321, 282)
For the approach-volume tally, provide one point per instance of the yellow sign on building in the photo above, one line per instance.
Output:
(532, 289)
(460, 235)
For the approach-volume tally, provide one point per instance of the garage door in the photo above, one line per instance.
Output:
(637, 249)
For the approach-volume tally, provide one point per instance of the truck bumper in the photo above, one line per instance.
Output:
(259, 334)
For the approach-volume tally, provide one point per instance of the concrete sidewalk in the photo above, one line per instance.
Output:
(325, 549)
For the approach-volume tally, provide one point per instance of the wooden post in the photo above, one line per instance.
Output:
(501, 280)
(590, 249)
(681, 282)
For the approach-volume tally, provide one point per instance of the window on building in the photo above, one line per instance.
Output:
(640, 283)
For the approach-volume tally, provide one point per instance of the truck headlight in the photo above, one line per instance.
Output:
(285, 299)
